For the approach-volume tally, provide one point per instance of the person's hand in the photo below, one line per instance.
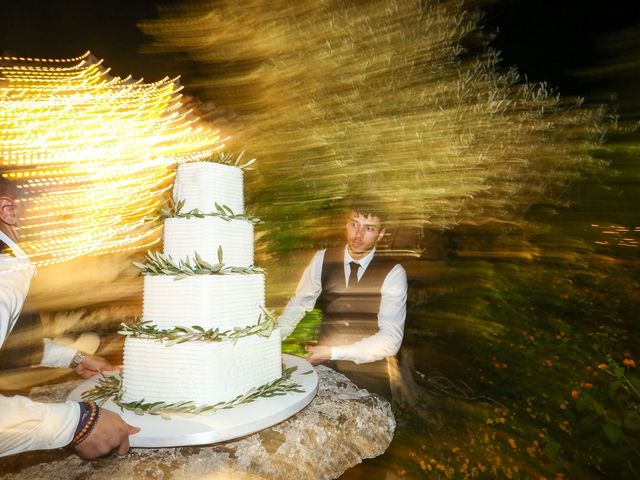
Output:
(318, 354)
(92, 364)
(110, 433)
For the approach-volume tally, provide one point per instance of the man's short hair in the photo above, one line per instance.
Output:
(369, 206)
(8, 188)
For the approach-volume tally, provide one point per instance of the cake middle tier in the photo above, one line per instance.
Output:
(209, 301)
(187, 236)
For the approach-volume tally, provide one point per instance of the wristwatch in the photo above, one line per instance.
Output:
(77, 359)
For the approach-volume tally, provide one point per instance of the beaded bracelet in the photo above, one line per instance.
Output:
(89, 415)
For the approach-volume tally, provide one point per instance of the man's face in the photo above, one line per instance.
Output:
(362, 234)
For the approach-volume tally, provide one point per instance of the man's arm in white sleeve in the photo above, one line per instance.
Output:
(28, 425)
(56, 355)
(391, 317)
(307, 292)
(14, 284)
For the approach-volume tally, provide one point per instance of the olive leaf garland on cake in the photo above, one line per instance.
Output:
(160, 264)
(110, 388)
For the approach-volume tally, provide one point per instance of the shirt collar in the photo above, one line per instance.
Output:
(364, 261)
(17, 251)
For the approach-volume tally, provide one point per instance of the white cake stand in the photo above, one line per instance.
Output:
(222, 425)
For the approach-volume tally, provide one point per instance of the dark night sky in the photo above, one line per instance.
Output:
(557, 40)
(68, 28)
(548, 40)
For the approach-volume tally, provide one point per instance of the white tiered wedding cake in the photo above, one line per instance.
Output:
(232, 355)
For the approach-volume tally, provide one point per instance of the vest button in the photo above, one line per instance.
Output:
(346, 324)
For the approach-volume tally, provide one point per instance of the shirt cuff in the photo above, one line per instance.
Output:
(56, 355)
(339, 353)
(285, 328)
(59, 425)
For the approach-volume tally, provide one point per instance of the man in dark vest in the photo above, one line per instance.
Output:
(363, 298)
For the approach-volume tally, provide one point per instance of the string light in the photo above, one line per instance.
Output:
(92, 154)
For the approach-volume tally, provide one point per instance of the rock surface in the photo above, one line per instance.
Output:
(337, 430)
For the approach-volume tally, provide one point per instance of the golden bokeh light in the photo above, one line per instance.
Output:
(92, 153)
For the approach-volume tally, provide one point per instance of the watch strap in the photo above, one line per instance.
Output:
(77, 359)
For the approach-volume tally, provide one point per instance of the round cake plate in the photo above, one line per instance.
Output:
(222, 425)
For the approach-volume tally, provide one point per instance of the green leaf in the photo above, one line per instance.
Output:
(250, 162)
(551, 448)
(597, 408)
(613, 388)
(219, 253)
(587, 425)
(632, 421)
(612, 432)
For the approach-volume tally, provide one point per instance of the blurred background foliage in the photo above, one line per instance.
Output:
(400, 98)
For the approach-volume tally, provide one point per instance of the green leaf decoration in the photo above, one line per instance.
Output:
(228, 159)
(159, 264)
(267, 322)
(110, 388)
(245, 166)
(219, 253)
(223, 212)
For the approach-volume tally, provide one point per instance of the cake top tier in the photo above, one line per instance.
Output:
(203, 184)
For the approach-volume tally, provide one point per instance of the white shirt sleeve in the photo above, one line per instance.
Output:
(15, 278)
(56, 355)
(28, 425)
(307, 292)
(14, 285)
(25, 424)
(391, 317)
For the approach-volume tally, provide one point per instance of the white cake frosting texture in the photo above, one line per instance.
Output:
(183, 237)
(210, 301)
(201, 184)
(203, 372)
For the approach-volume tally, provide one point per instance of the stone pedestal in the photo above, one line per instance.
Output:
(337, 430)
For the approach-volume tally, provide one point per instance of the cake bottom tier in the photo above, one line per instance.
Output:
(203, 372)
